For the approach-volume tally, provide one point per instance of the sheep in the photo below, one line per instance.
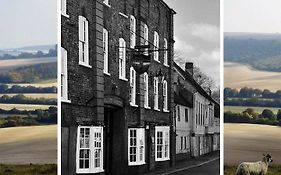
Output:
(254, 168)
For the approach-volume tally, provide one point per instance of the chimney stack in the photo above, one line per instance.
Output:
(189, 68)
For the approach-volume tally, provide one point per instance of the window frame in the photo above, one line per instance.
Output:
(133, 87)
(165, 144)
(132, 32)
(94, 131)
(156, 47)
(165, 96)
(64, 8)
(140, 136)
(83, 42)
(156, 93)
(105, 52)
(146, 90)
(122, 60)
(64, 76)
(166, 52)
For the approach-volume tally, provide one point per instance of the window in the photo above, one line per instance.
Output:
(89, 153)
(165, 96)
(144, 36)
(156, 46)
(136, 140)
(186, 115)
(105, 51)
(132, 31)
(181, 143)
(165, 52)
(162, 134)
(145, 79)
(63, 8)
(179, 115)
(83, 42)
(64, 88)
(185, 142)
(132, 87)
(122, 59)
(155, 93)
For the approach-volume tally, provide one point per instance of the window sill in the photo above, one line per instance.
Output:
(65, 15)
(106, 73)
(163, 159)
(165, 110)
(134, 105)
(84, 64)
(65, 101)
(136, 164)
(156, 109)
(89, 172)
(166, 65)
(147, 107)
(122, 78)
(157, 61)
(106, 4)
(122, 14)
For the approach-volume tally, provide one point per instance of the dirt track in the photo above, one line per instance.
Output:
(247, 142)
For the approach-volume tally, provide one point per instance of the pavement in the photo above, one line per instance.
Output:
(206, 164)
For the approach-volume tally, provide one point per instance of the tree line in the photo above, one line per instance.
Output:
(246, 92)
(31, 118)
(38, 54)
(21, 99)
(252, 102)
(5, 89)
(250, 116)
(30, 74)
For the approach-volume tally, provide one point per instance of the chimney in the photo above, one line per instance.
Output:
(189, 68)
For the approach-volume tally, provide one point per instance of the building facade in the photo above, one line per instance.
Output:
(197, 116)
(116, 119)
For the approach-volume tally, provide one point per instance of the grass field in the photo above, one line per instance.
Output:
(238, 109)
(247, 142)
(34, 169)
(46, 83)
(23, 106)
(25, 145)
(238, 76)
(47, 95)
(272, 170)
(7, 65)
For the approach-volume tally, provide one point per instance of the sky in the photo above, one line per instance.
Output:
(254, 16)
(197, 34)
(27, 23)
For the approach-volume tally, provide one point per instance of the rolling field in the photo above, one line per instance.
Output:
(23, 106)
(7, 65)
(247, 142)
(239, 76)
(47, 83)
(238, 109)
(47, 95)
(24, 145)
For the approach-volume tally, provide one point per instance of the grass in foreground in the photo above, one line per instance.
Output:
(31, 169)
(272, 170)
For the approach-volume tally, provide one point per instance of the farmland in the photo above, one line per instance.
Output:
(239, 76)
(247, 142)
(23, 106)
(16, 143)
(45, 83)
(239, 109)
(35, 95)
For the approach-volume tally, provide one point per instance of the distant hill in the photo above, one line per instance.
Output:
(261, 51)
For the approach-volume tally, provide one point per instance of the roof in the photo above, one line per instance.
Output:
(190, 78)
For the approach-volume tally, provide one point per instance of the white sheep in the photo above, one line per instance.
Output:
(254, 168)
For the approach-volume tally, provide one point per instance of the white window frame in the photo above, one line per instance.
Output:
(84, 42)
(132, 31)
(105, 52)
(64, 81)
(156, 47)
(95, 144)
(146, 38)
(146, 90)
(166, 53)
(163, 144)
(138, 144)
(63, 8)
(106, 2)
(165, 96)
(133, 87)
(156, 93)
(122, 59)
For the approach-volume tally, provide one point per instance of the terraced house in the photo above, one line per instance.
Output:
(116, 86)
(196, 116)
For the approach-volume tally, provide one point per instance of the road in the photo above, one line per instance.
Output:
(212, 168)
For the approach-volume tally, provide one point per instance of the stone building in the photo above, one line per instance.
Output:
(116, 119)
(196, 116)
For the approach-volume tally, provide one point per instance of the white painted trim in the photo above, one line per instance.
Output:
(122, 14)
(84, 64)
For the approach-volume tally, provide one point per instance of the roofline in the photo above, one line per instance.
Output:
(165, 4)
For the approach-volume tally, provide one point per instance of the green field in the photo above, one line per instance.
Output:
(239, 109)
(23, 106)
(30, 144)
(272, 170)
(33, 169)
(35, 95)
(45, 83)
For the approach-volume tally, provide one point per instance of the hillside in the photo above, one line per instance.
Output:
(262, 52)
